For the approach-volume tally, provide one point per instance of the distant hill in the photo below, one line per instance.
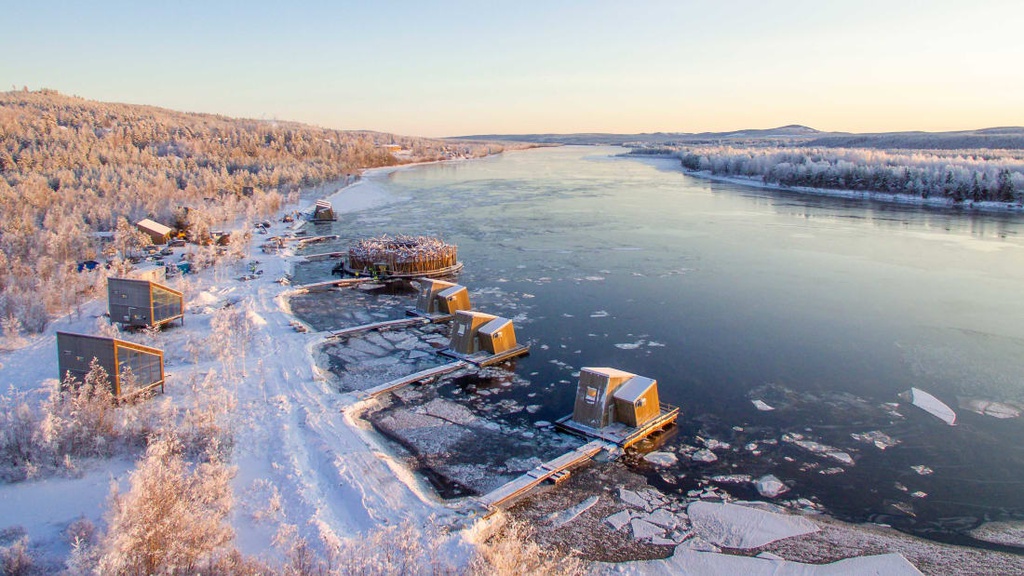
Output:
(792, 131)
(1003, 138)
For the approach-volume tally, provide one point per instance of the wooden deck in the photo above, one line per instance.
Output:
(483, 359)
(439, 273)
(619, 433)
(323, 256)
(435, 318)
(383, 325)
(339, 282)
(417, 377)
(555, 470)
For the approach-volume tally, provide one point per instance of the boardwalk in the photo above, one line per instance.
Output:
(383, 325)
(553, 468)
(417, 377)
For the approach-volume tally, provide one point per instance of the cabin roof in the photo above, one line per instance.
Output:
(634, 388)
(152, 226)
(608, 372)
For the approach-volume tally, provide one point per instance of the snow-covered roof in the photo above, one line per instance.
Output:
(608, 372)
(154, 227)
(632, 389)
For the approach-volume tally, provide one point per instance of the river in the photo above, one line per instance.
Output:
(823, 308)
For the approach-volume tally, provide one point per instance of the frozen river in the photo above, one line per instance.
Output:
(823, 309)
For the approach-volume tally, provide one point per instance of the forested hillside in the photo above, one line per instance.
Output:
(959, 176)
(71, 167)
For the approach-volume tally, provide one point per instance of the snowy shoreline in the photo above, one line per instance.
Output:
(904, 199)
(299, 442)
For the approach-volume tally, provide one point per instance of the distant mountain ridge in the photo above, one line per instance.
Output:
(1003, 137)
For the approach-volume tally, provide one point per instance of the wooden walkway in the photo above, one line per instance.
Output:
(483, 359)
(417, 377)
(384, 325)
(323, 256)
(342, 282)
(553, 469)
(619, 433)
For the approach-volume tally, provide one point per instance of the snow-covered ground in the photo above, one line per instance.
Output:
(306, 464)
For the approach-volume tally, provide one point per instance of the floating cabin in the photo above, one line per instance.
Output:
(482, 339)
(139, 303)
(76, 351)
(439, 300)
(157, 232)
(617, 406)
(323, 212)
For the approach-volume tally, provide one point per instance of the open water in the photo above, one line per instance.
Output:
(825, 309)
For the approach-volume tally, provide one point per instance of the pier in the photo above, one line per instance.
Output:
(412, 378)
(554, 470)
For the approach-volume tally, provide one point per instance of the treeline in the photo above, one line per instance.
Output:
(70, 167)
(959, 176)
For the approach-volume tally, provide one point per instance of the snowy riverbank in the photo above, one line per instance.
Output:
(307, 466)
(905, 199)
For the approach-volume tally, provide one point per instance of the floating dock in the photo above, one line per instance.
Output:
(438, 273)
(555, 470)
(618, 433)
(340, 283)
(412, 378)
(484, 358)
(322, 256)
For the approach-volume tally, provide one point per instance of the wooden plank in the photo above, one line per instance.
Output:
(331, 283)
(406, 380)
(551, 469)
(323, 256)
(399, 323)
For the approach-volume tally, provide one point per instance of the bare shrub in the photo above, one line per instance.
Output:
(84, 557)
(79, 417)
(173, 517)
(204, 426)
(511, 551)
(15, 558)
(20, 442)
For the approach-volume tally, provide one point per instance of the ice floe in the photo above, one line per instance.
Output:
(687, 560)
(931, 405)
(704, 455)
(989, 408)
(570, 514)
(762, 406)
(769, 486)
(818, 448)
(735, 526)
(661, 458)
(879, 439)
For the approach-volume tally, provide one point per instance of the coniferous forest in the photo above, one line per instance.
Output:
(71, 167)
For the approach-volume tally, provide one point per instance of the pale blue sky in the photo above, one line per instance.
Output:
(451, 68)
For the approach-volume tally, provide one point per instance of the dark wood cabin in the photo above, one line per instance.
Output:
(76, 351)
(139, 303)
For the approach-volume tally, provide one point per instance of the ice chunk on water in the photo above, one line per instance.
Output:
(632, 498)
(704, 455)
(769, 486)
(762, 406)
(619, 519)
(880, 439)
(570, 514)
(741, 527)
(922, 469)
(661, 458)
(630, 345)
(989, 408)
(643, 529)
(599, 314)
(931, 405)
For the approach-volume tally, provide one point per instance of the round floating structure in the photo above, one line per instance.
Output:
(403, 257)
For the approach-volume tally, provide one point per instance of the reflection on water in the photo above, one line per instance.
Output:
(827, 308)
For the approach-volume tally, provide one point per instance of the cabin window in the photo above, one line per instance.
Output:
(591, 395)
(641, 402)
(462, 329)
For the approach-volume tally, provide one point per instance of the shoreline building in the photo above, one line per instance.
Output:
(146, 364)
(139, 303)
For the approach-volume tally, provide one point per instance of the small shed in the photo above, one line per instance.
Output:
(426, 302)
(76, 351)
(143, 302)
(453, 299)
(636, 401)
(465, 331)
(323, 211)
(595, 403)
(157, 232)
(497, 336)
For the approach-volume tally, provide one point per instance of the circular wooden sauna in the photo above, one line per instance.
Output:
(403, 257)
